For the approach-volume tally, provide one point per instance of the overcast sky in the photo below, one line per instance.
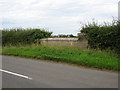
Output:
(58, 16)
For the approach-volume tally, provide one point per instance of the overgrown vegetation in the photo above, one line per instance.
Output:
(23, 36)
(20, 42)
(103, 37)
(74, 55)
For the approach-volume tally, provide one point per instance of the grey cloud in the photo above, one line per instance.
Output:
(59, 15)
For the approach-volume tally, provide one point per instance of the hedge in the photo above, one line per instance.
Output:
(103, 37)
(23, 36)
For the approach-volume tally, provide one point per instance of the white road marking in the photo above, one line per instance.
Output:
(16, 74)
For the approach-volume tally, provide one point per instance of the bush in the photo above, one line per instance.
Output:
(23, 36)
(103, 37)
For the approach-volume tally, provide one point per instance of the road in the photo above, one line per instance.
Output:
(28, 73)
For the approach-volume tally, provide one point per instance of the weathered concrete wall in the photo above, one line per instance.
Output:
(65, 42)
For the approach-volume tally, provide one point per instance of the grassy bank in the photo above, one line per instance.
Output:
(74, 55)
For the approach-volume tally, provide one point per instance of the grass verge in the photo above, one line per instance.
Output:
(73, 55)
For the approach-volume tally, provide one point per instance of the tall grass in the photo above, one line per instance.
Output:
(74, 55)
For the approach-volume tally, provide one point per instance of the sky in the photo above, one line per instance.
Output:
(58, 16)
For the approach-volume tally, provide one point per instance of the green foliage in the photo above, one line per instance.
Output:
(71, 35)
(74, 55)
(103, 37)
(23, 36)
(65, 36)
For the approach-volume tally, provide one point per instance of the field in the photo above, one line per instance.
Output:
(73, 55)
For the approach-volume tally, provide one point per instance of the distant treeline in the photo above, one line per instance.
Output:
(103, 37)
(23, 36)
(64, 36)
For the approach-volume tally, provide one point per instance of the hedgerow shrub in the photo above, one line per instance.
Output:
(23, 36)
(103, 37)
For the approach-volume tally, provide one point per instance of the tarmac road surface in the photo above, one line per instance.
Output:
(27, 73)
